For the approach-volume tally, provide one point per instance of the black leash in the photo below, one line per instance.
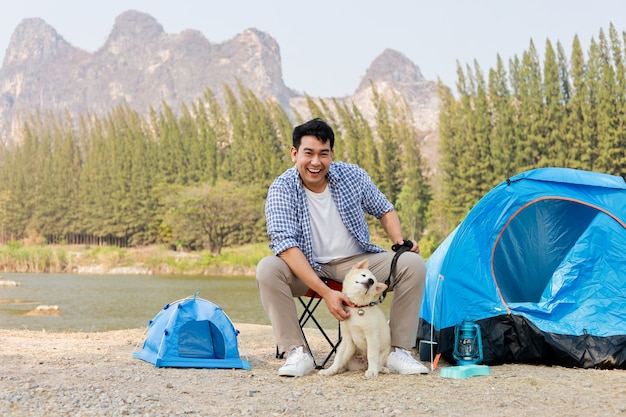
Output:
(406, 245)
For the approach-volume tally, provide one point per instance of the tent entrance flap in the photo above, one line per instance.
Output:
(201, 339)
(534, 244)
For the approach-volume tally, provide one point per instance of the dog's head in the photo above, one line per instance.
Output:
(360, 285)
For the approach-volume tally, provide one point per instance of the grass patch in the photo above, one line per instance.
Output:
(192, 262)
(248, 255)
(15, 257)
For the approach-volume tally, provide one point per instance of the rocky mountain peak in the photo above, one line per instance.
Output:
(393, 68)
(34, 40)
(132, 29)
(142, 66)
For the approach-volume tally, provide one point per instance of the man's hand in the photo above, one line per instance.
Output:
(335, 300)
(416, 247)
(411, 244)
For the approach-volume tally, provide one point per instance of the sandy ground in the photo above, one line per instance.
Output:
(93, 374)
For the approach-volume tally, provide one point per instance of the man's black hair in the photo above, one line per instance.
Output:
(315, 127)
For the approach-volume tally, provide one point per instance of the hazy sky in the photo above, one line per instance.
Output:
(327, 45)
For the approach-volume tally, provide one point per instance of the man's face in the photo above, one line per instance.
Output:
(313, 161)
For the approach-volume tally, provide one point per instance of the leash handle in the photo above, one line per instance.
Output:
(406, 245)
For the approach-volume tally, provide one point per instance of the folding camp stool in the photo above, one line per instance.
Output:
(310, 301)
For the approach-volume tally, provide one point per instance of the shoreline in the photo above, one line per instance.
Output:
(93, 374)
(145, 260)
(224, 270)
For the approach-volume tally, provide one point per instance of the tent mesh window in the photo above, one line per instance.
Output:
(201, 339)
(543, 232)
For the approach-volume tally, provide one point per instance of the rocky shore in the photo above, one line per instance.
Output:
(93, 374)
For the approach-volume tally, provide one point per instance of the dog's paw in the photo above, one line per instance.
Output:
(384, 370)
(371, 373)
(327, 372)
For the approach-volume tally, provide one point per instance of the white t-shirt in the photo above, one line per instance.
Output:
(331, 239)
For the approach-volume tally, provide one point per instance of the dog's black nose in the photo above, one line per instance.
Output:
(370, 282)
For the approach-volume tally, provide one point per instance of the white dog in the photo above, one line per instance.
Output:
(366, 333)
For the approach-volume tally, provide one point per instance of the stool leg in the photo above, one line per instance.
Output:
(308, 314)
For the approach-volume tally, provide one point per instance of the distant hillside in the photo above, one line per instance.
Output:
(143, 66)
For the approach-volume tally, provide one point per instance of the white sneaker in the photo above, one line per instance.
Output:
(299, 363)
(401, 361)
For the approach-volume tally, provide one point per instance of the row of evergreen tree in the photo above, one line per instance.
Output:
(564, 113)
(195, 179)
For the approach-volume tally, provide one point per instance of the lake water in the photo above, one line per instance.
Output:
(93, 303)
(114, 302)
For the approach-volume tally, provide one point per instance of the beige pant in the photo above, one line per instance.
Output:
(278, 286)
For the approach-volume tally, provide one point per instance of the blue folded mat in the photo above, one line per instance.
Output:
(464, 371)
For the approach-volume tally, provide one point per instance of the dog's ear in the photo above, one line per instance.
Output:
(380, 287)
(363, 264)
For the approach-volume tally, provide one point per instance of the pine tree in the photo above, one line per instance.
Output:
(40, 192)
(234, 166)
(481, 173)
(592, 86)
(65, 175)
(173, 158)
(619, 152)
(613, 150)
(261, 152)
(388, 148)
(205, 146)
(220, 132)
(414, 197)
(531, 142)
(26, 179)
(577, 140)
(350, 134)
(284, 131)
(95, 181)
(554, 151)
(503, 144)
(315, 110)
(192, 146)
(452, 130)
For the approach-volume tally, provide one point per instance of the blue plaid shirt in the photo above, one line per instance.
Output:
(354, 194)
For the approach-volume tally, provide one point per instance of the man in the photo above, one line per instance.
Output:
(317, 228)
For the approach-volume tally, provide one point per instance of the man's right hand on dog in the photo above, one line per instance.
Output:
(335, 301)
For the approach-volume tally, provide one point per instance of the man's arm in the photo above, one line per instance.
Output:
(301, 268)
(391, 224)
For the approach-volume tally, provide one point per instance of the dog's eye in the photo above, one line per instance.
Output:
(363, 275)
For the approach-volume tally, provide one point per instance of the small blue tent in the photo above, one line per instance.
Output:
(192, 333)
(540, 264)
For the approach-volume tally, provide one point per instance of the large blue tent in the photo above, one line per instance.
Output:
(540, 264)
